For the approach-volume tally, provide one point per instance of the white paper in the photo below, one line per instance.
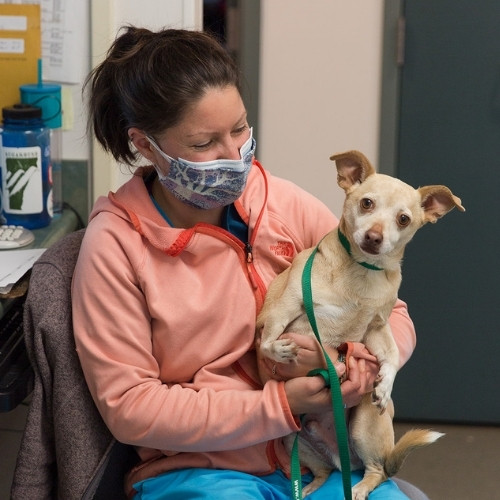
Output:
(61, 23)
(14, 264)
(13, 23)
(12, 45)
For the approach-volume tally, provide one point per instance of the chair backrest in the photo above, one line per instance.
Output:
(67, 451)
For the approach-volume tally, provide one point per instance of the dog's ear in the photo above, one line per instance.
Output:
(352, 168)
(438, 201)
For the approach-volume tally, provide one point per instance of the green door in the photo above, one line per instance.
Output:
(449, 133)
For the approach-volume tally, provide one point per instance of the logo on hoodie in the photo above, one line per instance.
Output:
(283, 249)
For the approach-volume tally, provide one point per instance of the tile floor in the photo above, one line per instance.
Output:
(463, 465)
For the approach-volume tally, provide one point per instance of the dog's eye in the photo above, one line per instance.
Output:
(403, 220)
(367, 204)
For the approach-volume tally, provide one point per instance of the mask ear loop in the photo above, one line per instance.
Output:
(164, 155)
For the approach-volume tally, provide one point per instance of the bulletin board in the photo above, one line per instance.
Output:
(20, 49)
(47, 29)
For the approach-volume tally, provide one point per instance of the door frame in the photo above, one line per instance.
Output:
(392, 63)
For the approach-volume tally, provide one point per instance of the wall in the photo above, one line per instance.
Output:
(319, 88)
(75, 144)
(107, 16)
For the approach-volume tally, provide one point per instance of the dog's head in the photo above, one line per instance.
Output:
(381, 214)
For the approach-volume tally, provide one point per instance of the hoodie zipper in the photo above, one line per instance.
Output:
(250, 267)
(255, 279)
(248, 250)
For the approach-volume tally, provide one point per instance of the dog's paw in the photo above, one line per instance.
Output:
(320, 478)
(382, 388)
(380, 401)
(380, 396)
(281, 350)
(360, 492)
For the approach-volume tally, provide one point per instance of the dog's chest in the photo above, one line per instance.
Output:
(345, 313)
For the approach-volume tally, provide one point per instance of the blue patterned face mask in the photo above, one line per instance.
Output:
(208, 184)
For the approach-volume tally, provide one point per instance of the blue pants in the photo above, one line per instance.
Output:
(227, 484)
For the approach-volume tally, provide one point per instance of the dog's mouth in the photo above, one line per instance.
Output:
(371, 248)
(372, 240)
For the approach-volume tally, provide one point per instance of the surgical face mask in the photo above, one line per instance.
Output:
(207, 184)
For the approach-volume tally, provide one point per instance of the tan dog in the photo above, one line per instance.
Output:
(352, 302)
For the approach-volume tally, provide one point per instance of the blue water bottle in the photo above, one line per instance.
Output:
(48, 97)
(25, 165)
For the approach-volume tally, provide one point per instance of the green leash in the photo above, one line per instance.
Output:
(332, 381)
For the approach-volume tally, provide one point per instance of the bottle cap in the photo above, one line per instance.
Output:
(47, 97)
(22, 112)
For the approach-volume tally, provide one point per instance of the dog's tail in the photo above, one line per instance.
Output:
(411, 440)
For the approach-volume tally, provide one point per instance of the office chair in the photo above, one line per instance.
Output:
(67, 452)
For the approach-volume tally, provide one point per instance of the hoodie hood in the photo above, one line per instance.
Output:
(132, 203)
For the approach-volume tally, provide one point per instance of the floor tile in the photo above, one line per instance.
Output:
(462, 465)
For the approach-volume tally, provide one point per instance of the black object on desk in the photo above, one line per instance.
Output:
(16, 374)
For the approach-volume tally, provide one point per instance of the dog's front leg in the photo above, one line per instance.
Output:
(272, 347)
(282, 306)
(380, 343)
(279, 350)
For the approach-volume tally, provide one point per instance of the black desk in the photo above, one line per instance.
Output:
(16, 375)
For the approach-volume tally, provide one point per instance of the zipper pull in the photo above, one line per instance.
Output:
(248, 250)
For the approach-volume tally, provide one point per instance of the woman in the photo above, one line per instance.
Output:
(174, 268)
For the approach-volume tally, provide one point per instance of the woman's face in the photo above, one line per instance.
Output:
(214, 128)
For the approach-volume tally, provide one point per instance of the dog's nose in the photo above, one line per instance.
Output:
(373, 237)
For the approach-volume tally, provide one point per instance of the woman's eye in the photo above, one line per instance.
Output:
(241, 129)
(203, 146)
(208, 144)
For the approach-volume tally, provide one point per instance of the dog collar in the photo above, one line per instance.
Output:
(347, 246)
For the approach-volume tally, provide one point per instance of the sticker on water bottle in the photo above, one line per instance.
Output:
(22, 180)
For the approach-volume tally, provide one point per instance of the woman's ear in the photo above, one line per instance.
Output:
(141, 143)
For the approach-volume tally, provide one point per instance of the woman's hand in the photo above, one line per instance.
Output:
(359, 372)
(309, 357)
(359, 382)
(308, 395)
(362, 371)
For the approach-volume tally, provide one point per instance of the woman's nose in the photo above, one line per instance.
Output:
(231, 147)
(230, 150)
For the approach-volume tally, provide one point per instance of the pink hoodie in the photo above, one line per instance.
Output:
(164, 323)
